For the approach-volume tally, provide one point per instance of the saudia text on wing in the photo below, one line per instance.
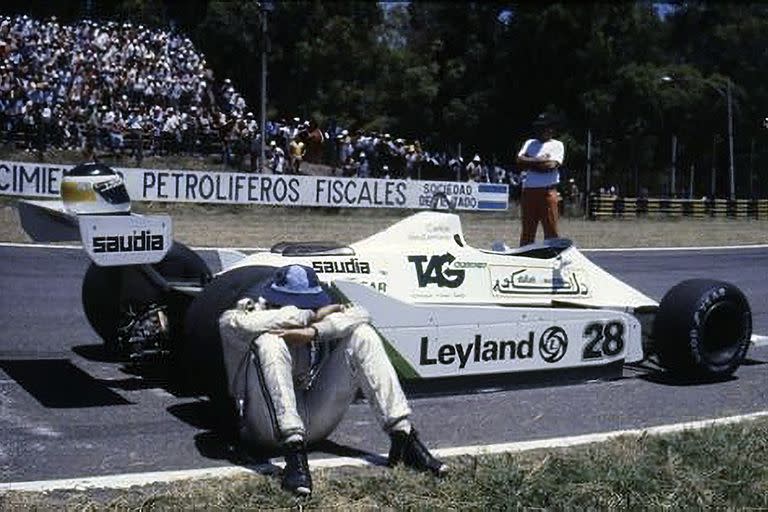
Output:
(137, 242)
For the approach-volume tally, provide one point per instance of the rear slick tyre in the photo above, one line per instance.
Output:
(108, 292)
(202, 353)
(703, 329)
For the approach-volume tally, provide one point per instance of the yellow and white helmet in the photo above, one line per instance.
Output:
(94, 189)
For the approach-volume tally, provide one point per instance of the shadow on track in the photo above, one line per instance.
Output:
(57, 383)
(217, 444)
(210, 445)
(96, 352)
(670, 379)
(145, 375)
(667, 378)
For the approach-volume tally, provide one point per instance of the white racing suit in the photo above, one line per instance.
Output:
(303, 390)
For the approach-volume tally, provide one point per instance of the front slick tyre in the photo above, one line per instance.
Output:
(703, 329)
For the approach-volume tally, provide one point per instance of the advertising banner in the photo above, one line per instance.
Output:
(44, 180)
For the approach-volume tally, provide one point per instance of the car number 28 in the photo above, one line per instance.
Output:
(603, 340)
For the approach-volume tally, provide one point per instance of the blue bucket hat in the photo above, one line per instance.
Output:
(295, 285)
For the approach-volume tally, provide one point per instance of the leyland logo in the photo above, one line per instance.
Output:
(553, 343)
(437, 271)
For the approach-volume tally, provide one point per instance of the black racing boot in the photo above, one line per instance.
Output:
(408, 449)
(296, 477)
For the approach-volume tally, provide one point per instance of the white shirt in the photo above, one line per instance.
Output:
(551, 150)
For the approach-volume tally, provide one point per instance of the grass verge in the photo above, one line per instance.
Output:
(263, 226)
(717, 467)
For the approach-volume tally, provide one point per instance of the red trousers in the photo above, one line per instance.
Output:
(538, 205)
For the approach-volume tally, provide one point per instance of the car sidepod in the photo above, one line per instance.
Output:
(432, 341)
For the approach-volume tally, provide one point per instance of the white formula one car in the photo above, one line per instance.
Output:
(446, 310)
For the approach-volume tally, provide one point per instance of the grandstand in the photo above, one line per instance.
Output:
(121, 89)
(114, 86)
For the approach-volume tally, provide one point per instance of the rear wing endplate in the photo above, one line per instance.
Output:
(109, 240)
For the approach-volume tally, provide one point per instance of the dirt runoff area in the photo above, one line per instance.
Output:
(263, 226)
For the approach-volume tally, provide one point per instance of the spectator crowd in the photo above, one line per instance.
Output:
(133, 90)
(110, 86)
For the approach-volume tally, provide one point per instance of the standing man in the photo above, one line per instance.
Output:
(297, 150)
(475, 170)
(314, 143)
(541, 158)
(278, 158)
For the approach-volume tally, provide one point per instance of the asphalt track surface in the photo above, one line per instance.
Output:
(66, 412)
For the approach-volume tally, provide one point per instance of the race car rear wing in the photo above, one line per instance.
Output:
(109, 240)
(48, 221)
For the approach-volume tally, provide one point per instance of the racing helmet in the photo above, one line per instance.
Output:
(93, 188)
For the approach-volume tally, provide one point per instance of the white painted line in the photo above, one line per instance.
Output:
(759, 341)
(565, 442)
(39, 246)
(42, 430)
(127, 480)
(703, 248)
(611, 249)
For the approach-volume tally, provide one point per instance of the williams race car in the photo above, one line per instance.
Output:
(445, 309)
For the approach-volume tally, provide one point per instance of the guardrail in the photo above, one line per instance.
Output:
(602, 206)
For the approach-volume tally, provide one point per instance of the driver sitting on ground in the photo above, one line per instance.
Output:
(310, 357)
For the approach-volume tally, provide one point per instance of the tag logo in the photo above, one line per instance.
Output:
(437, 271)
